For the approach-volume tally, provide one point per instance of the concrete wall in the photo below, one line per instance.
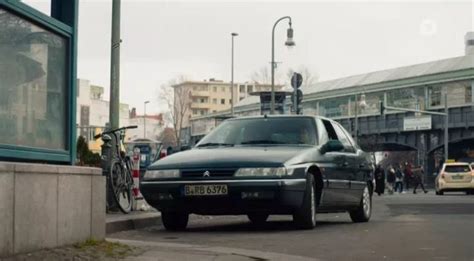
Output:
(43, 206)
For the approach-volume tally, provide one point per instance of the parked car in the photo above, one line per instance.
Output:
(455, 177)
(263, 165)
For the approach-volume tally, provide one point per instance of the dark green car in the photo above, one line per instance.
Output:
(258, 166)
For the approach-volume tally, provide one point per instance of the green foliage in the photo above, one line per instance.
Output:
(86, 157)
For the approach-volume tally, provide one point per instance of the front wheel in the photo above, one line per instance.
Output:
(174, 221)
(121, 186)
(364, 210)
(305, 217)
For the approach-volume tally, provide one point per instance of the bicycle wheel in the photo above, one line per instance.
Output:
(121, 186)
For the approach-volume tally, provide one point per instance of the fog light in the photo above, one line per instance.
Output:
(165, 196)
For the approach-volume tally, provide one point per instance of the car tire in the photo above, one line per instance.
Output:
(175, 221)
(258, 218)
(364, 210)
(305, 217)
(440, 193)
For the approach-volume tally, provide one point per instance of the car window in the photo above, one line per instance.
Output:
(300, 131)
(349, 137)
(457, 168)
(341, 135)
(330, 130)
(322, 133)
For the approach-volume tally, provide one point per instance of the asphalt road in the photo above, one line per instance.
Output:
(403, 227)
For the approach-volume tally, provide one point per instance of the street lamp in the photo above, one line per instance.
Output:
(144, 118)
(289, 42)
(232, 77)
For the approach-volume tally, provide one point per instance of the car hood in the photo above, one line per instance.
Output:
(231, 157)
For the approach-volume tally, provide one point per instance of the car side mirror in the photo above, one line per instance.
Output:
(330, 146)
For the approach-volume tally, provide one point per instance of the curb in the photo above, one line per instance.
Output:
(133, 222)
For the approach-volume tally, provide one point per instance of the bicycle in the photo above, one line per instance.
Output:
(118, 169)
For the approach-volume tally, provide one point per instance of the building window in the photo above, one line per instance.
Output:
(32, 56)
(202, 100)
(214, 101)
(222, 101)
(249, 89)
(214, 89)
(202, 112)
(195, 111)
(434, 93)
(242, 88)
(222, 89)
(230, 101)
(407, 97)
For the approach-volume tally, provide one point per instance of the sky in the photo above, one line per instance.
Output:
(165, 39)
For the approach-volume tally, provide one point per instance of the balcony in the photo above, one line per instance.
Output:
(200, 93)
(196, 105)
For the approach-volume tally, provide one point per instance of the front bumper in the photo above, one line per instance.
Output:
(274, 196)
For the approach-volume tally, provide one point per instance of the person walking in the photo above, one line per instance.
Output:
(379, 180)
(408, 175)
(418, 180)
(391, 179)
(399, 179)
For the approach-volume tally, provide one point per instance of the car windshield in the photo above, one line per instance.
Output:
(262, 131)
(455, 169)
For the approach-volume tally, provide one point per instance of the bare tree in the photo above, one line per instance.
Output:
(262, 75)
(309, 78)
(178, 100)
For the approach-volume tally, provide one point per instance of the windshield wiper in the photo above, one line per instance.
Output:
(261, 142)
(215, 144)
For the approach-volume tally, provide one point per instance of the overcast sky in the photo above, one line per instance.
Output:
(163, 39)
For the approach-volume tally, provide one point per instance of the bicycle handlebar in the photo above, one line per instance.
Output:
(115, 130)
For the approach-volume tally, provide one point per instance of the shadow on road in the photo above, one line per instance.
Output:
(247, 227)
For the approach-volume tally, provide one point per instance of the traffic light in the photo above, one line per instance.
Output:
(382, 108)
(296, 81)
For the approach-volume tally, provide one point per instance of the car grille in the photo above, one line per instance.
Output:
(213, 173)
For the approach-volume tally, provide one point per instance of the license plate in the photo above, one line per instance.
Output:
(457, 177)
(205, 190)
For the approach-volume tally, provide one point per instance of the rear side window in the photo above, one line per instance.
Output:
(455, 169)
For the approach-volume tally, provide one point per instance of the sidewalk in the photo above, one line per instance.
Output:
(116, 222)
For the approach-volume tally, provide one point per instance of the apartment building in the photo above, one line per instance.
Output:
(210, 96)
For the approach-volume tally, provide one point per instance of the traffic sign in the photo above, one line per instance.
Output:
(299, 96)
(296, 80)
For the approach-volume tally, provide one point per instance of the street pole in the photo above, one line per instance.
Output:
(289, 42)
(144, 118)
(114, 109)
(232, 76)
(446, 128)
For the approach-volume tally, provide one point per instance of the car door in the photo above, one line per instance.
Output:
(359, 168)
(348, 168)
(336, 186)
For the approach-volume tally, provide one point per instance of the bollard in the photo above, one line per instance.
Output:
(136, 178)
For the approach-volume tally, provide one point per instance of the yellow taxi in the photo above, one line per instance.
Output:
(457, 176)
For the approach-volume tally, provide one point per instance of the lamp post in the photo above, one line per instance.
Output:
(362, 103)
(289, 42)
(232, 76)
(144, 118)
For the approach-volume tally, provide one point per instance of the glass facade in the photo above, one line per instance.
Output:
(33, 85)
(410, 98)
(334, 107)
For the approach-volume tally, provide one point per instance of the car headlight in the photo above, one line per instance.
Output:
(262, 172)
(162, 174)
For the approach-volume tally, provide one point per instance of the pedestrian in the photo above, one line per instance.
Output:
(379, 180)
(408, 175)
(399, 179)
(418, 180)
(391, 179)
